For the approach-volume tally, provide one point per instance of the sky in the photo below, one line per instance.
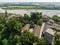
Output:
(29, 0)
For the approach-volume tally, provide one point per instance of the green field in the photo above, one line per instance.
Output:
(29, 7)
(22, 7)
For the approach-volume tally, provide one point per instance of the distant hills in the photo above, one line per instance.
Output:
(44, 5)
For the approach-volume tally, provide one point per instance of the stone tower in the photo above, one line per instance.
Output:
(6, 15)
(45, 18)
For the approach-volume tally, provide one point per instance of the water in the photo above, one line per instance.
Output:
(23, 11)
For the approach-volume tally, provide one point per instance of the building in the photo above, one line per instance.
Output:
(26, 27)
(53, 24)
(50, 35)
(45, 18)
(36, 30)
(31, 30)
(6, 15)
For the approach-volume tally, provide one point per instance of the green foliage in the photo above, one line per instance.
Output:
(36, 18)
(19, 43)
(56, 18)
(5, 42)
(14, 25)
(2, 18)
(39, 22)
(57, 39)
(41, 41)
(26, 18)
(52, 44)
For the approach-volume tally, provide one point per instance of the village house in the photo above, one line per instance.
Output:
(36, 30)
(26, 27)
(50, 35)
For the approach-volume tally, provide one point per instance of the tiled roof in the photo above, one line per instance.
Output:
(36, 30)
(26, 27)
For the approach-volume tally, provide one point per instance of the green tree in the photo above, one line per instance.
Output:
(41, 41)
(26, 18)
(14, 26)
(28, 38)
(39, 22)
(56, 18)
(5, 42)
(57, 39)
(35, 17)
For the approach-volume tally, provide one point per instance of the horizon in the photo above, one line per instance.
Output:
(30, 1)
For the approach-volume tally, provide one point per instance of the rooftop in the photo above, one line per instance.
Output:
(50, 31)
(26, 27)
(36, 30)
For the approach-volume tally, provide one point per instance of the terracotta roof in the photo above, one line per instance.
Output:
(36, 30)
(26, 27)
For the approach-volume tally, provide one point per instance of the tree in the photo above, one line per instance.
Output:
(35, 17)
(2, 19)
(19, 43)
(41, 41)
(5, 42)
(13, 25)
(57, 39)
(56, 18)
(27, 38)
(39, 22)
(2, 29)
(26, 18)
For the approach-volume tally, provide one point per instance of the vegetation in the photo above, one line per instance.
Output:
(31, 7)
(10, 31)
(57, 39)
(56, 18)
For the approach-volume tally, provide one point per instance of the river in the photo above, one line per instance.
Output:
(23, 11)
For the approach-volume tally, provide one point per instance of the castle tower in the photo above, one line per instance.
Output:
(45, 18)
(6, 15)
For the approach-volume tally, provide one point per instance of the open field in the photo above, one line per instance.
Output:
(31, 7)
(22, 7)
